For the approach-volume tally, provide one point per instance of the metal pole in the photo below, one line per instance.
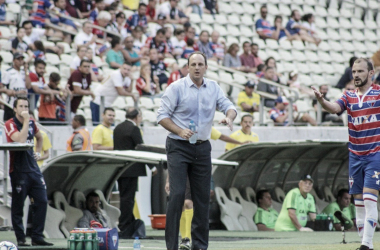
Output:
(101, 108)
(319, 113)
(68, 109)
(290, 117)
(32, 102)
(5, 179)
(261, 111)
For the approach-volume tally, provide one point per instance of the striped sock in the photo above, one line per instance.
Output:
(370, 204)
(360, 216)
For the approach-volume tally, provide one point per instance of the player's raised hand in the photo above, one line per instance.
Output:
(318, 94)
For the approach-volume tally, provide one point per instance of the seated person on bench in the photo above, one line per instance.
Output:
(93, 216)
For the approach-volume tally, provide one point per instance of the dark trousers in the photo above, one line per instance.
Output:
(32, 185)
(127, 191)
(95, 113)
(194, 161)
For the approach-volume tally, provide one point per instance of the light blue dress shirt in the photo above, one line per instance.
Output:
(183, 101)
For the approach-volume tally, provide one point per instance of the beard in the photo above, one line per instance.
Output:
(361, 84)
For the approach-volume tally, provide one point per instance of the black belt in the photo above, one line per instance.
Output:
(198, 142)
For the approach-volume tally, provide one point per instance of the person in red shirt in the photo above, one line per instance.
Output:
(176, 75)
(79, 83)
(102, 20)
(151, 10)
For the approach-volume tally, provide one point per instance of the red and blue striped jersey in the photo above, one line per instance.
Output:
(363, 120)
(39, 12)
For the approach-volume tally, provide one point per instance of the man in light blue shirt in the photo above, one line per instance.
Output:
(191, 98)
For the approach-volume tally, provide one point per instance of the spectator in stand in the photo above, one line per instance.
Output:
(39, 14)
(308, 22)
(347, 75)
(151, 10)
(168, 35)
(280, 32)
(67, 24)
(178, 43)
(38, 50)
(188, 49)
(73, 8)
(138, 19)
(81, 53)
(139, 40)
(102, 20)
(326, 116)
(3, 14)
(196, 7)
(260, 70)
(86, 7)
(263, 27)
(129, 54)
(270, 89)
(157, 68)
(145, 85)
(271, 62)
(265, 217)
(172, 13)
(255, 53)
(178, 74)
(161, 21)
(217, 48)
(32, 34)
(247, 59)
(117, 84)
(279, 114)
(18, 44)
(99, 6)
(95, 76)
(47, 114)
(212, 6)
(204, 45)
(102, 135)
(79, 83)
(296, 28)
(85, 37)
(248, 100)
(244, 134)
(36, 81)
(80, 140)
(14, 85)
(114, 56)
(121, 25)
(159, 42)
(130, 4)
(190, 33)
(232, 60)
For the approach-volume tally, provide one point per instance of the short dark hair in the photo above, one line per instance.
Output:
(268, 68)
(269, 58)
(39, 45)
(120, 14)
(142, 5)
(91, 194)
(260, 67)
(161, 31)
(260, 195)
(277, 17)
(352, 61)
(264, 6)
(246, 115)
(254, 44)
(178, 32)
(98, 1)
(369, 63)
(25, 23)
(20, 98)
(306, 17)
(54, 77)
(342, 192)
(80, 119)
(246, 43)
(84, 61)
(81, 46)
(204, 31)
(115, 41)
(108, 109)
(197, 53)
(293, 13)
(132, 113)
(138, 28)
(39, 61)
(190, 42)
(18, 28)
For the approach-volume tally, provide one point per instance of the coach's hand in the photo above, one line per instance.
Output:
(227, 121)
(317, 94)
(186, 133)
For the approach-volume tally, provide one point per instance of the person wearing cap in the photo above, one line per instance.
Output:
(14, 83)
(342, 204)
(247, 99)
(243, 135)
(298, 204)
(176, 75)
(280, 115)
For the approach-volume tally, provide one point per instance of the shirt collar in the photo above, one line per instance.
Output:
(190, 82)
(132, 121)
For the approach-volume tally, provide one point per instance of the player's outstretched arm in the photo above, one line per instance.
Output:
(331, 107)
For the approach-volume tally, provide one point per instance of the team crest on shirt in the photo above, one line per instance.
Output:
(376, 175)
(351, 181)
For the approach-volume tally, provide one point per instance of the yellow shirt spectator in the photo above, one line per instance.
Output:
(102, 136)
(131, 4)
(249, 100)
(241, 137)
(215, 134)
(46, 145)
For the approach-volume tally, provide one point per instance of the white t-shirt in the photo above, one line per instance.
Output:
(108, 88)
(137, 45)
(82, 38)
(75, 63)
(309, 26)
(35, 35)
(178, 46)
(164, 8)
(15, 80)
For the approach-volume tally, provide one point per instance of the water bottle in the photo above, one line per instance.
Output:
(194, 137)
(136, 244)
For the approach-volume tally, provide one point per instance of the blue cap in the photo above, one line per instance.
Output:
(281, 99)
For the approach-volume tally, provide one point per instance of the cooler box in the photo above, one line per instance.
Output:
(108, 238)
(158, 221)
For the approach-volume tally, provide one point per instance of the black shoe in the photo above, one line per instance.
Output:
(185, 244)
(41, 243)
(22, 243)
(363, 247)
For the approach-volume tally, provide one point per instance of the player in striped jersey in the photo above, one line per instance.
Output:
(363, 110)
